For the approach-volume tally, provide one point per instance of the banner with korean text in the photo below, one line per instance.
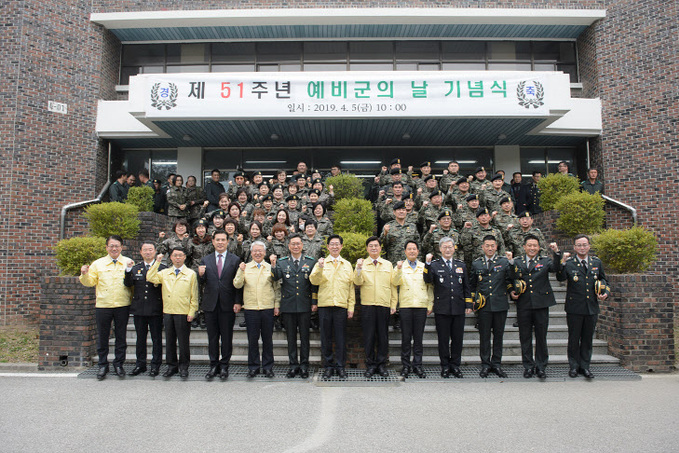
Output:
(348, 94)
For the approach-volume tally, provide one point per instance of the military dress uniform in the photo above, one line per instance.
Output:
(147, 309)
(452, 296)
(532, 309)
(298, 294)
(582, 308)
(490, 278)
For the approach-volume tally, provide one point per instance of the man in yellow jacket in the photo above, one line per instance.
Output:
(378, 301)
(260, 305)
(416, 300)
(107, 274)
(180, 303)
(336, 299)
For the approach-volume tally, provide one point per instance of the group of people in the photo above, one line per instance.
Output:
(450, 244)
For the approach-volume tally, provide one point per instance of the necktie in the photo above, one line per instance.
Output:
(375, 262)
(296, 264)
(335, 263)
(147, 267)
(220, 265)
(176, 272)
(531, 263)
(488, 264)
(449, 264)
(115, 261)
(584, 264)
(258, 265)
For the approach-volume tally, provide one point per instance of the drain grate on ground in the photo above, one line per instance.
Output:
(355, 377)
(197, 372)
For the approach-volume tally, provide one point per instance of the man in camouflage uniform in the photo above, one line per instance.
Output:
(386, 175)
(480, 183)
(450, 175)
(430, 210)
(518, 235)
(430, 185)
(396, 233)
(505, 220)
(430, 242)
(472, 238)
(385, 203)
(467, 214)
(239, 179)
(313, 246)
(493, 195)
(456, 197)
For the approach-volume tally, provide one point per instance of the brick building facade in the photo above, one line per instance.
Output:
(54, 52)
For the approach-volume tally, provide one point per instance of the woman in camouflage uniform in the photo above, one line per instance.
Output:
(195, 199)
(217, 217)
(313, 242)
(202, 247)
(178, 239)
(235, 212)
(278, 242)
(235, 239)
(177, 203)
(255, 235)
(244, 201)
(322, 220)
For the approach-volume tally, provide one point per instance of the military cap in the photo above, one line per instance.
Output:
(445, 213)
(299, 176)
(425, 164)
(255, 173)
(430, 177)
(219, 213)
(267, 197)
(157, 181)
(415, 174)
(317, 181)
(277, 186)
(399, 205)
(504, 200)
(316, 191)
(482, 211)
(263, 183)
(395, 161)
(409, 196)
(472, 196)
(315, 170)
(239, 173)
(200, 222)
(292, 197)
(433, 193)
(461, 179)
(524, 214)
(478, 301)
(497, 176)
(478, 169)
(395, 171)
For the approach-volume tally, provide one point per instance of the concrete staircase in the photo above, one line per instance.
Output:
(557, 340)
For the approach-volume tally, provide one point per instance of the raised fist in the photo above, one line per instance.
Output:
(231, 183)
(161, 235)
(399, 264)
(384, 169)
(269, 238)
(130, 264)
(241, 266)
(510, 226)
(239, 238)
(359, 263)
(509, 255)
(554, 247)
(419, 191)
(566, 255)
(206, 203)
(84, 269)
(382, 193)
(272, 259)
(467, 224)
(201, 270)
(321, 261)
(432, 227)
(386, 229)
(410, 168)
(429, 257)
(388, 200)
(494, 214)
(160, 257)
(425, 202)
(445, 172)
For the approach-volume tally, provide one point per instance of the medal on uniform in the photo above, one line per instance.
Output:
(575, 278)
(460, 280)
(441, 279)
(287, 275)
(480, 277)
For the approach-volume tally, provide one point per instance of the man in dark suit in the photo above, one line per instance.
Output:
(582, 303)
(147, 308)
(532, 306)
(452, 300)
(298, 299)
(213, 189)
(221, 302)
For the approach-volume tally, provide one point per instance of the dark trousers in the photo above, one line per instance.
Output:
(412, 329)
(259, 323)
(580, 337)
(298, 322)
(491, 321)
(333, 324)
(177, 330)
(529, 320)
(104, 317)
(450, 332)
(142, 325)
(375, 324)
(220, 327)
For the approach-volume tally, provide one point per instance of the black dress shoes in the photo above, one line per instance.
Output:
(138, 370)
(253, 373)
(540, 374)
(119, 370)
(405, 371)
(455, 371)
(588, 374)
(171, 371)
(515, 324)
(382, 370)
(292, 372)
(445, 373)
(242, 324)
(573, 372)
(342, 373)
(155, 371)
(212, 372)
(528, 373)
(103, 371)
(419, 371)
(304, 373)
(184, 373)
(369, 373)
(499, 371)
(224, 372)
(268, 373)
(327, 374)
(484, 372)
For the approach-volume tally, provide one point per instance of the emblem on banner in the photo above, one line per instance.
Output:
(164, 96)
(530, 93)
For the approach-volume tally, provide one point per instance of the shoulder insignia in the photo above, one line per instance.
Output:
(283, 258)
(308, 257)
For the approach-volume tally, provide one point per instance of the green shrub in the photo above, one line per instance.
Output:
(580, 213)
(345, 186)
(627, 251)
(141, 197)
(73, 253)
(354, 215)
(554, 187)
(113, 218)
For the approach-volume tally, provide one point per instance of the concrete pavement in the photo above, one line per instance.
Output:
(62, 413)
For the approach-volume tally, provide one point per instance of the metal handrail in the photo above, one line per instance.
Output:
(68, 207)
(622, 205)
